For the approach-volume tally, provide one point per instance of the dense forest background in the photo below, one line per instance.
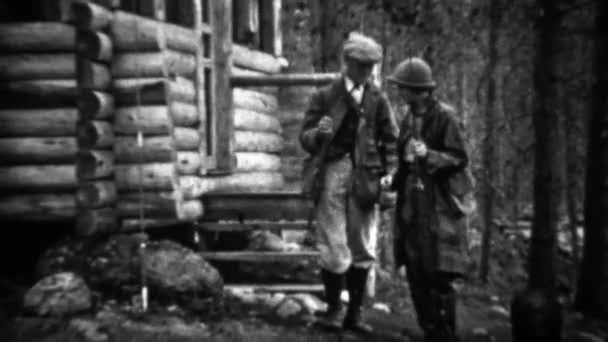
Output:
(482, 54)
(526, 78)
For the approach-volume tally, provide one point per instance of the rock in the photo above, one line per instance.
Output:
(310, 303)
(246, 296)
(114, 263)
(58, 295)
(230, 331)
(499, 312)
(581, 336)
(262, 240)
(172, 267)
(288, 308)
(481, 335)
(273, 300)
(88, 330)
(381, 307)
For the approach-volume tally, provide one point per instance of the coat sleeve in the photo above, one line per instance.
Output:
(309, 139)
(387, 136)
(452, 156)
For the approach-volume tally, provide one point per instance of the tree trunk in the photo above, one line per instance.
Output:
(591, 297)
(536, 313)
(330, 35)
(489, 160)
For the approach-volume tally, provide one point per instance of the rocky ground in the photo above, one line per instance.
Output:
(89, 291)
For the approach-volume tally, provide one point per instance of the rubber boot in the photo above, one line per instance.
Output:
(333, 283)
(356, 279)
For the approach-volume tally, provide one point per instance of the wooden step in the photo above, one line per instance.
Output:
(234, 226)
(275, 206)
(259, 256)
(291, 288)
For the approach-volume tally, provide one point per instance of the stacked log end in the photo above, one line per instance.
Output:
(96, 193)
(155, 87)
(38, 119)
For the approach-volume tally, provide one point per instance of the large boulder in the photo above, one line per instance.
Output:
(115, 264)
(59, 294)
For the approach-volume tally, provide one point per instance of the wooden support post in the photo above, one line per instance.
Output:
(283, 80)
(221, 23)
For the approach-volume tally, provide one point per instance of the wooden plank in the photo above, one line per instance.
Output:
(258, 256)
(285, 288)
(247, 226)
(270, 206)
(221, 22)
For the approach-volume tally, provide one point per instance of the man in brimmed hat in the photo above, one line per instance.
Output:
(349, 125)
(432, 186)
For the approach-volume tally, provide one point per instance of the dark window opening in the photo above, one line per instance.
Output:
(209, 119)
(206, 45)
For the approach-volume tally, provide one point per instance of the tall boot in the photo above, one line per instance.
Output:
(356, 279)
(333, 283)
(443, 326)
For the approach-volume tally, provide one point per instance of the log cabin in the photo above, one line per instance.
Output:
(125, 114)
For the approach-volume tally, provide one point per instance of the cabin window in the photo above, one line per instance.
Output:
(257, 25)
(246, 20)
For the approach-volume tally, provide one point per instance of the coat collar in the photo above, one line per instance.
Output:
(341, 101)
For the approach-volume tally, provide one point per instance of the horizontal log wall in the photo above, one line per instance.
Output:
(78, 94)
(163, 108)
(38, 122)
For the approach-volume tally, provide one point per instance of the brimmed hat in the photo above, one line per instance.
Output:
(362, 48)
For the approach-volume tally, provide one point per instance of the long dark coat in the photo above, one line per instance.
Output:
(430, 230)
